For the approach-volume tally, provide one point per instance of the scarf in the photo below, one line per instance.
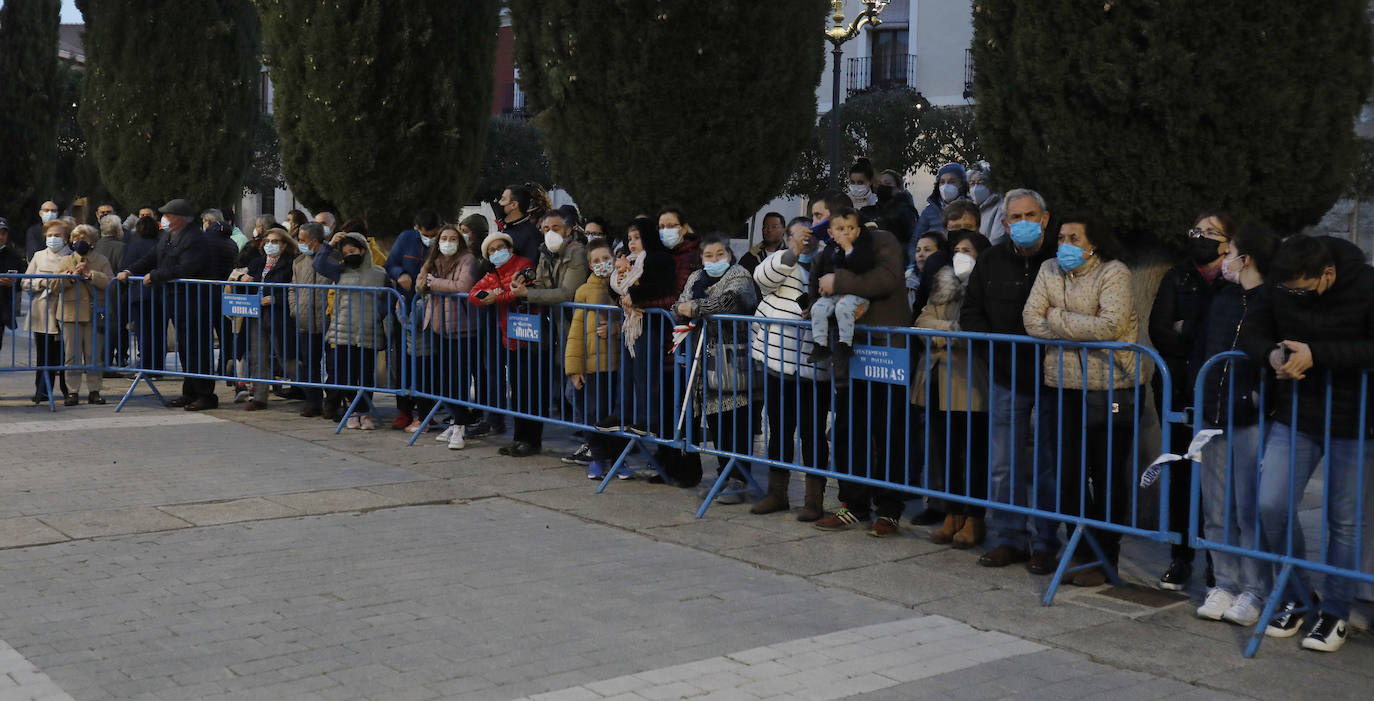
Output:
(633, 326)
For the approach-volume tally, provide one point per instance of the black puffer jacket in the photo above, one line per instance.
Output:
(10, 262)
(996, 293)
(1338, 327)
(1184, 295)
(1234, 382)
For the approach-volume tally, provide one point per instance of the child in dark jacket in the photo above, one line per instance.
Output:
(854, 251)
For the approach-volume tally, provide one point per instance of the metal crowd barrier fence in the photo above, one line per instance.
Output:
(931, 413)
(511, 361)
(1248, 488)
(332, 347)
(55, 326)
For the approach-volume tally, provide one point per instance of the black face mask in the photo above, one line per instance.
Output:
(884, 192)
(1203, 250)
(353, 260)
(81, 248)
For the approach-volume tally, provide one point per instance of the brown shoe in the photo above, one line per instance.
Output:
(255, 405)
(813, 507)
(1042, 562)
(310, 411)
(1094, 577)
(945, 533)
(885, 526)
(842, 519)
(776, 499)
(970, 535)
(1001, 556)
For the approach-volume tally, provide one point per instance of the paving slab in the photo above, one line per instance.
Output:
(23, 532)
(92, 524)
(231, 511)
(332, 501)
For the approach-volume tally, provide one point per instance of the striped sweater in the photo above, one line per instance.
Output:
(784, 348)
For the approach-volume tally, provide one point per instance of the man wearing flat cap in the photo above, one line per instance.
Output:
(181, 254)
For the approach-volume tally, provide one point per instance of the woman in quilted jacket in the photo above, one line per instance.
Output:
(1084, 295)
(523, 364)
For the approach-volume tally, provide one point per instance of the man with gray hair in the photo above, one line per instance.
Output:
(996, 293)
(308, 309)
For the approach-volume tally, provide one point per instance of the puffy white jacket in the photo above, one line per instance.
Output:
(784, 347)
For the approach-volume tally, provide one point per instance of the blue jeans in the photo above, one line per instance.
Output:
(1281, 484)
(845, 308)
(1229, 508)
(1012, 470)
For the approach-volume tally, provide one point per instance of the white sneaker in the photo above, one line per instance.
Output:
(1245, 611)
(1217, 604)
(353, 422)
(448, 432)
(455, 439)
(1327, 635)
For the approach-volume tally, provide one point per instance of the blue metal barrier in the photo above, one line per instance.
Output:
(56, 330)
(273, 330)
(885, 364)
(1249, 485)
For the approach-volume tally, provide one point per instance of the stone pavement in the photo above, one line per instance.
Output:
(157, 554)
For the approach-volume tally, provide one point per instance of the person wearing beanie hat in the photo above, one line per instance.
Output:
(494, 290)
(951, 183)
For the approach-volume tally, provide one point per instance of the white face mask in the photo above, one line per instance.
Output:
(328, 230)
(272, 249)
(552, 241)
(948, 192)
(963, 265)
(859, 192)
(427, 240)
(165, 224)
(55, 243)
(979, 193)
(448, 248)
(48, 216)
(604, 268)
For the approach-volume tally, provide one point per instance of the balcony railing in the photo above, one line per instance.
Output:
(968, 74)
(882, 72)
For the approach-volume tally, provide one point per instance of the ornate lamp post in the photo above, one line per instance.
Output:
(838, 35)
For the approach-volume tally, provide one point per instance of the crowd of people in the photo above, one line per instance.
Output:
(1041, 424)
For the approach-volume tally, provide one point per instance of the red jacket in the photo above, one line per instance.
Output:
(498, 283)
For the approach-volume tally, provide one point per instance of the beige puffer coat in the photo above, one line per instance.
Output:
(1092, 303)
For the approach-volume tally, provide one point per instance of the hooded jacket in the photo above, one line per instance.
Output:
(358, 314)
(930, 216)
(1339, 329)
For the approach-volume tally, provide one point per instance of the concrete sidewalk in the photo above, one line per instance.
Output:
(258, 555)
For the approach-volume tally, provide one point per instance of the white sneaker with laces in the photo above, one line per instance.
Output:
(1217, 603)
(448, 433)
(456, 439)
(1245, 611)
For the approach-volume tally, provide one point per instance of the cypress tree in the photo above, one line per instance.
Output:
(515, 153)
(1151, 112)
(170, 98)
(650, 102)
(29, 90)
(381, 105)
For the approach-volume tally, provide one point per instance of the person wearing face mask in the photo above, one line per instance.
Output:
(1087, 433)
(35, 239)
(797, 391)
(309, 316)
(1314, 326)
(994, 296)
(487, 342)
(1229, 403)
(951, 184)
(644, 280)
(403, 263)
(683, 243)
(895, 211)
(357, 328)
(82, 336)
(951, 387)
(111, 246)
(1175, 327)
(592, 353)
(42, 319)
(272, 336)
(723, 394)
(146, 310)
(861, 186)
(527, 384)
(989, 204)
(562, 265)
(449, 324)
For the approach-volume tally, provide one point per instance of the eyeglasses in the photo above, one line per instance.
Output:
(1297, 292)
(1197, 233)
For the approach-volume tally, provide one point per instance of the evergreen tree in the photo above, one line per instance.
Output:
(1151, 112)
(381, 105)
(650, 102)
(29, 88)
(170, 98)
(515, 153)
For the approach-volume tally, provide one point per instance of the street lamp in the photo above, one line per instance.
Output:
(838, 35)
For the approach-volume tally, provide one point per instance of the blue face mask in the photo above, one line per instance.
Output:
(717, 268)
(805, 258)
(1070, 256)
(670, 237)
(307, 251)
(500, 258)
(1025, 232)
